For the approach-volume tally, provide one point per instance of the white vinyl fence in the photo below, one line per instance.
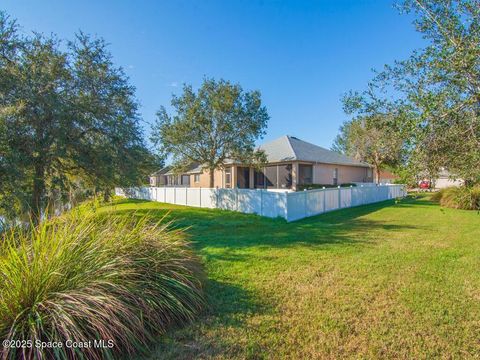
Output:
(288, 205)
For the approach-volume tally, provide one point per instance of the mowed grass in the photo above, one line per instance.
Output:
(388, 280)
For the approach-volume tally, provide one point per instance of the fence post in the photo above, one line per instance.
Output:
(324, 199)
(351, 196)
(305, 205)
(339, 197)
(216, 196)
(200, 196)
(175, 195)
(286, 205)
(186, 196)
(236, 199)
(165, 194)
(261, 202)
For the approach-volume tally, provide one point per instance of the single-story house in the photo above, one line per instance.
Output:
(290, 162)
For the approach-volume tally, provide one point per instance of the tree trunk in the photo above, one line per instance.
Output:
(38, 192)
(106, 195)
(212, 177)
(377, 172)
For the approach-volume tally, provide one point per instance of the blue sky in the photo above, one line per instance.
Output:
(301, 55)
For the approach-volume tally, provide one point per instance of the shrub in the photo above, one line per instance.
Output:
(84, 278)
(461, 197)
(437, 196)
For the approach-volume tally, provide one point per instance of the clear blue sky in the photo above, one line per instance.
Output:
(301, 55)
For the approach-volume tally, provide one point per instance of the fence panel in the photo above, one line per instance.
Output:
(226, 199)
(208, 198)
(296, 205)
(315, 202)
(193, 197)
(331, 199)
(274, 204)
(369, 194)
(170, 195)
(345, 197)
(181, 196)
(356, 196)
(159, 194)
(249, 201)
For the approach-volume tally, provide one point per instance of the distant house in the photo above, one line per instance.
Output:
(290, 162)
(168, 177)
(158, 178)
(387, 177)
(444, 180)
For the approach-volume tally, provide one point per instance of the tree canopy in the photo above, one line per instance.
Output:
(367, 139)
(218, 122)
(68, 118)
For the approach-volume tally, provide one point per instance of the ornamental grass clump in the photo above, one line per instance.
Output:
(462, 197)
(81, 278)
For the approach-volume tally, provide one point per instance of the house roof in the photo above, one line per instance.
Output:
(162, 171)
(192, 169)
(285, 148)
(290, 148)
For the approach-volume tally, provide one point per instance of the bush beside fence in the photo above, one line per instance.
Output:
(288, 205)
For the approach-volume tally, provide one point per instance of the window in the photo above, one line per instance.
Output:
(243, 177)
(271, 177)
(185, 179)
(152, 181)
(369, 172)
(305, 174)
(172, 180)
(259, 179)
(285, 176)
(196, 178)
(335, 176)
(228, 177)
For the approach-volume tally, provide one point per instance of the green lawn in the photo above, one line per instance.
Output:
(389, 280)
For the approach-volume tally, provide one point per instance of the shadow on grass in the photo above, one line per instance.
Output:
(419, 200)
(229, 230)
(228, 307)
(231, 237)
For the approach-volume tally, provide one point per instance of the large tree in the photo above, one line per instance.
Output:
(68, 116)
(438, 88)
(218, 122)
(441, 84)
(371, 139)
